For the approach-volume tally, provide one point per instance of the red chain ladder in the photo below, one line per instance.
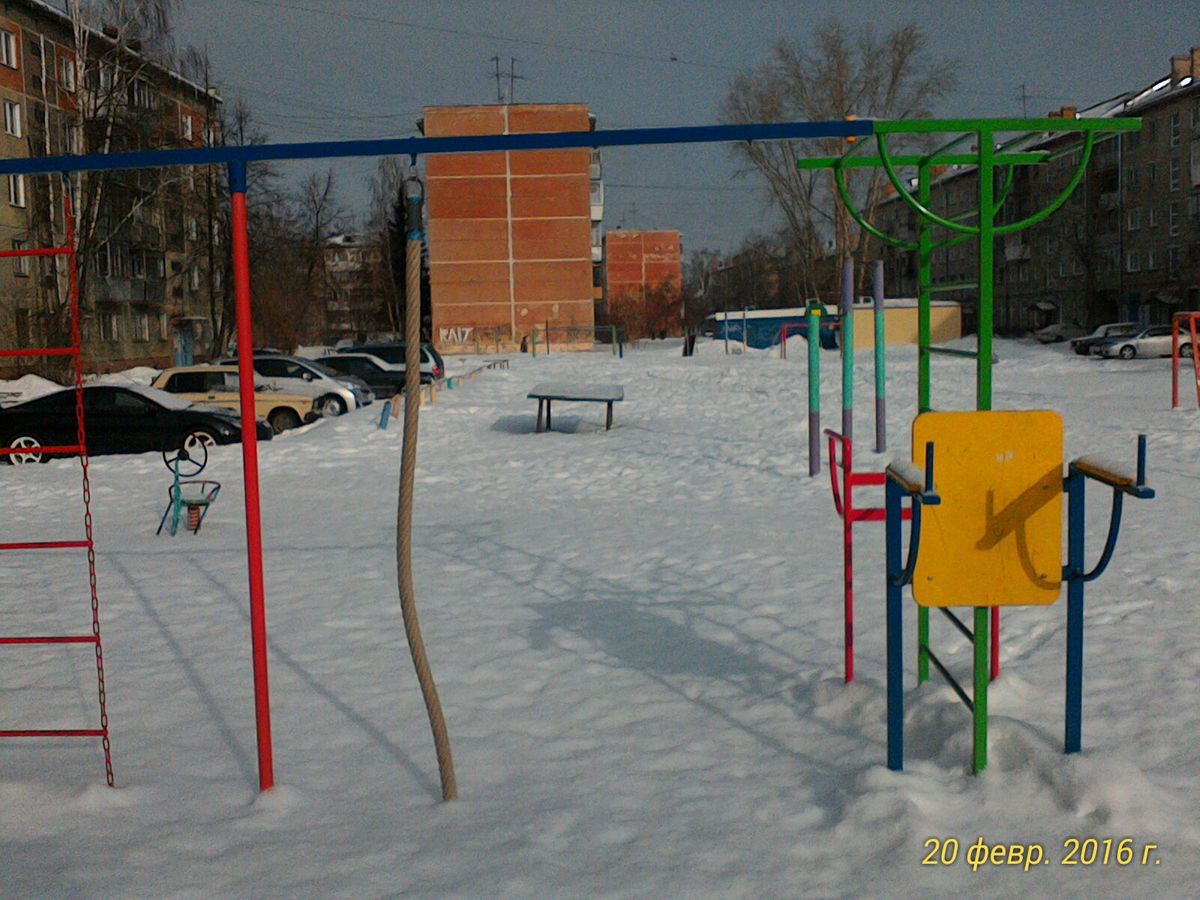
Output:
(80, 447)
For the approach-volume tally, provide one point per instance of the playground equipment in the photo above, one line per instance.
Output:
(987, 156)
(992, 537)
(843, 503)
(80, 447)
(1178, 320)
(194, 496)
(236, 158)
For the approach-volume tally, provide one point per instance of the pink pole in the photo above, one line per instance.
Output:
(254, 553)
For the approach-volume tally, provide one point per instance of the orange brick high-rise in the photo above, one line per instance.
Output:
(510, 243)
(643, 269)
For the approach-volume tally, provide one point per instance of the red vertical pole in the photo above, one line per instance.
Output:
(1195, 354)
(848, 560)
(1174, 361)
(245, 348)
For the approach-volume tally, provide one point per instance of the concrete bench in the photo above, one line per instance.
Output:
(607, 394)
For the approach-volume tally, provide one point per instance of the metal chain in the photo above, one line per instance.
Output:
(81, 433)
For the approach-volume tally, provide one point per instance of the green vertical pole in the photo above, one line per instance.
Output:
(987, 248)
(924, 296)
(982, 676)
(924, 339)
(880, 357)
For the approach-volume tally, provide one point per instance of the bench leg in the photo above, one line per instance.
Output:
(608, 418)
(547, 413)
(538, 429)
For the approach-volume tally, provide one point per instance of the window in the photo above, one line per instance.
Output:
(8, 48)
(69, 136)
(191, 229)
(163, 326)
(16, 190)
(140, 95)
(110, 324)
(1133, 220)
(20, 263)
(137, 265)
(1151, 130)
(1132, 177)
(12, 117)
(1152, 259)
(194, 278)
(1173, 219)
(141, 326)
(1173, 260)
(1175, 174)
(186, 383)
(66, 73)
(185, 123)
(1152, 174)
(1133, 261)
(1174, 129)
(1154, 217)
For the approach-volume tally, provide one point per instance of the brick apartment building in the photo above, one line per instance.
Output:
(513, 237)
(352, 306)
(147, 284)
(643, 273)
(1125, 246)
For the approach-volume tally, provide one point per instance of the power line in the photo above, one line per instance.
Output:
(464, 32)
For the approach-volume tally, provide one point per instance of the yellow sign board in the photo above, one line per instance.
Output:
(996, 537)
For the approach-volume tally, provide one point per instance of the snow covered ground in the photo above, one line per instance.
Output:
(636, 636)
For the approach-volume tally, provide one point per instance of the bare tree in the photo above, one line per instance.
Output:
(843, 73)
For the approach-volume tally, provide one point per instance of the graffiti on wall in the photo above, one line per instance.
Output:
(455, 335)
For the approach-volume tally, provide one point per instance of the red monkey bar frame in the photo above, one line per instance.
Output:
(1176, 320)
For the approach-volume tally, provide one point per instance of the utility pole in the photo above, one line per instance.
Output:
(498, 76)
(513, 78)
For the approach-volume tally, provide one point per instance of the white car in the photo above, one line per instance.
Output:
(1152, 341)
(1059, 332)
(304, 376)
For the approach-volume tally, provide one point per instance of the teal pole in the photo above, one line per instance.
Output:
(812, 333)
(880, 361)
(848, 349)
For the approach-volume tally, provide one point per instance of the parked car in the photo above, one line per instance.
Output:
(1085, 345)
(304, 376)
(1059, 332)
(1152, 341)
(218, 386)
(127, 419)
(384, 378)
(392, 352)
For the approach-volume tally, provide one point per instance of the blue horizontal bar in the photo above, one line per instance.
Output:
(622, 137)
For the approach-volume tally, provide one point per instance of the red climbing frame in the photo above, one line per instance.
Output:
(1177, 320)
(80, 447)
(843, 503)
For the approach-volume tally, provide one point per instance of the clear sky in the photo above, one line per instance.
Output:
(328, 69)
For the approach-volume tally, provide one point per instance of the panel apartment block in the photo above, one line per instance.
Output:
(509, 232)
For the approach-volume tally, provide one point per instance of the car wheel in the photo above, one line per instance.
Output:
(283, 419)
(1058, 339)
(334, 405)
(30, 445)
(1185, 350)
(1081, 350)
(1127, 352)
(198, 441)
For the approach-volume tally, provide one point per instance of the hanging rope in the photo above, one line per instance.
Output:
(408, 466)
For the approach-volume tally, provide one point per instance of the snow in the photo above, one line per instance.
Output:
(143, 375)
(27, 387)
(637, 641)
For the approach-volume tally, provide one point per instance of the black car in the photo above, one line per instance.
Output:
(131, 419)
(383, 379)
(393, 352)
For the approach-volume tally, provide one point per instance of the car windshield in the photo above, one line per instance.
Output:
(324, 370)
(162, 398)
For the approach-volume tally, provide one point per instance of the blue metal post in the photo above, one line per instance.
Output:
(1075, 565)
(893, 496)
